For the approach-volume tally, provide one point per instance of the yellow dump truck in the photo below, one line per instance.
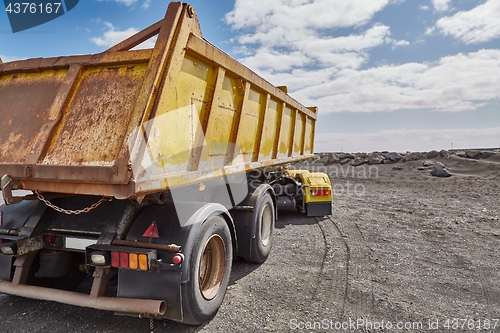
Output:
(155, 166)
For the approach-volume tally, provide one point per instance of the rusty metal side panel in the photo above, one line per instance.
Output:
(26, 99)
(94, 124)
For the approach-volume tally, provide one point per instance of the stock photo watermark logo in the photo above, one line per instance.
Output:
(25, 15)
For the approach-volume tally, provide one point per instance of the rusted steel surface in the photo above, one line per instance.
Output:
(101, 59)
(161, 247)
(95, 122)
(138, 38)
(127, 305)
(23, 113)
(129, 123)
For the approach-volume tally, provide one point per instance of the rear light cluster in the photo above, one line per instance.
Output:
(138, 261)
(128, 258)
(321, 192)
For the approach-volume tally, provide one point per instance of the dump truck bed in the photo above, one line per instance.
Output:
(125, 123)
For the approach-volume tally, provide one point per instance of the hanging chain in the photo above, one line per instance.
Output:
(69, 211)
(151, 324)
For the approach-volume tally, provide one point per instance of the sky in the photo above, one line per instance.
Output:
(396, 75)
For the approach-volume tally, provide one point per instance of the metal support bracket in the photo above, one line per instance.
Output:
(23, 264)
(101, 276)
(7, 187)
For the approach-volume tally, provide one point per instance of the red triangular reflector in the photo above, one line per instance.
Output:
(152, 231)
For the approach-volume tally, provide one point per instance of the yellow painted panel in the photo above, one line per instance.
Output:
(286, 128)
(298, 134)
(308, 146)
(269, 130)
(249, 123)
(193, 85)
(176, 130)
(222, 119)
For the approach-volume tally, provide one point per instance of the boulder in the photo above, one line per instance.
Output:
(332, 158)
(359, 161)
(428, 164)
(444, 153)
(323, 159)
(461, 153)
(375, 158)
(362, 155)
(413, 157)
(397, 167)
(440, 170)
(473, 154)
(432, 154)
(347, 155)
(345, 160)
(486, 154)
(393, 157)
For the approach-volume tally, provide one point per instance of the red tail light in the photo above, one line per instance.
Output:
(115, 259)
(321, 192)
(177, 260)
(49, 239)
(132, 260)
(123, 259)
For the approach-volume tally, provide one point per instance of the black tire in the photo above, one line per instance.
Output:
(209, 269)
(263, 220)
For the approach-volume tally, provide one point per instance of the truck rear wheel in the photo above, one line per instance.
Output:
(210, 268)
(263, 224)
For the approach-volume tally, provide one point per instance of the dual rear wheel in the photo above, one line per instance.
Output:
(211, 261)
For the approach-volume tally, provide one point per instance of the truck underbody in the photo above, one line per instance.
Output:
(171, 254)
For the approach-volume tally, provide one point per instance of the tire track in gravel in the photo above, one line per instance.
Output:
(331, 287)
(484, 274)
(358, 298)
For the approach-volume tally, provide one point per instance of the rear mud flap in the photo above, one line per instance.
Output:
(160, 286)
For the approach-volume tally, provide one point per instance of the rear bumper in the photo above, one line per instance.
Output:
(127, 305)
(319, 208)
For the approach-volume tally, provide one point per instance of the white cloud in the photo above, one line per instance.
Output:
(454, 83)
(402, 140)
(423, 7)
(298, 15)
(441, 5)
(310, 50)
(146, 4)
(481, 24)
(323, 66)
(112, 37)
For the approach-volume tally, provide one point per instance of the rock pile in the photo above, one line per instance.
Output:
(386, 157)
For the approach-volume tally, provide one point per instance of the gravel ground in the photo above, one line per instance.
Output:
(402, 252)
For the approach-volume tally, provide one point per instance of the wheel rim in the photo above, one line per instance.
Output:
(212, 267)
(266, 224)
